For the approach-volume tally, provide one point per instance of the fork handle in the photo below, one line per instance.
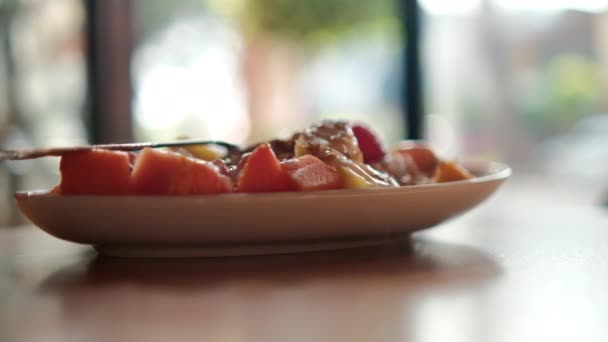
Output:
(21, 154)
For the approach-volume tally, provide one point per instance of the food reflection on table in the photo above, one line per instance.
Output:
(361, 294)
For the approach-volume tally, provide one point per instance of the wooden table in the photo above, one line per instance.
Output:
(525, 266)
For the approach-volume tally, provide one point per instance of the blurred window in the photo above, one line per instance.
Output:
(42, 88)
(523, 82)
(248, 70)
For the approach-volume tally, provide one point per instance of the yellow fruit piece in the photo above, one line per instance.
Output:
(205, 152)
(300, 150)
(351, 180)
(450, 172)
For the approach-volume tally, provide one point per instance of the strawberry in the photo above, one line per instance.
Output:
(369, 143)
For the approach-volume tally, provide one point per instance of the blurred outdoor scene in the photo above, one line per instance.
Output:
(514, 81)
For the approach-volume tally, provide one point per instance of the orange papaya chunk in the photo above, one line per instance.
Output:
(262, 172)
(95, 172)
(450, 172)
(426, 161)
(169, 173)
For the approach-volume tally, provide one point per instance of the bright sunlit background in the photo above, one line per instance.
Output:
(521, 81)
(251, 70)
(513, 80)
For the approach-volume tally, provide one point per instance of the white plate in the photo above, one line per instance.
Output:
(257, 223)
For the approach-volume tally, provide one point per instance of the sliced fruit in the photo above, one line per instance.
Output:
(450, 172)
(301, 147)
(403, 168)
(132, 157)
(425, 159)
(204, 152)
(369, 143)
(95, 172)
(309, 173)
(222, 168)
(168, 173)
(337, 135)
(262, 172)
(351, 180)
(236, 171)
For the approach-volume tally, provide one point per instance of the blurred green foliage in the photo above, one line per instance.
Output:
(568, 89)
(311, 23)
